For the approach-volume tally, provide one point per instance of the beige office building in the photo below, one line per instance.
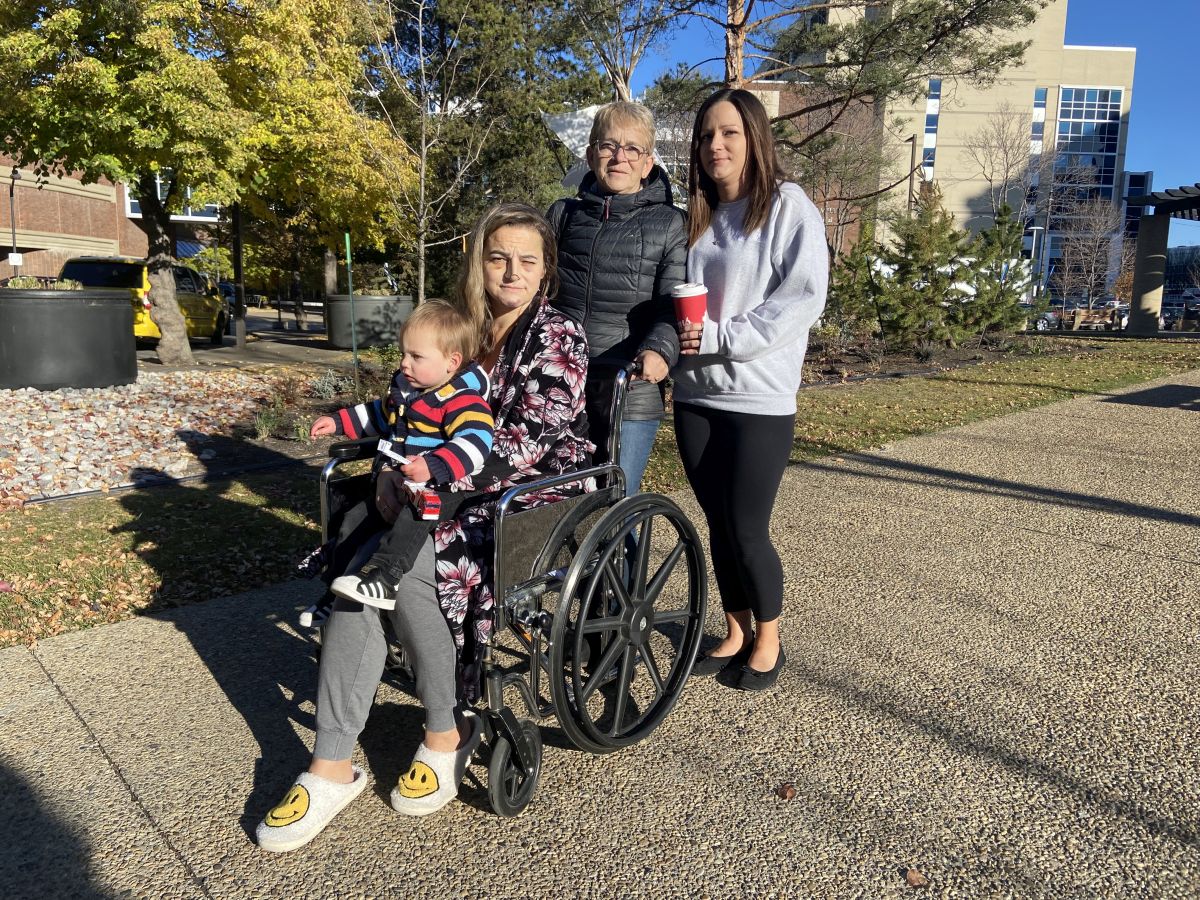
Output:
(1075, 100)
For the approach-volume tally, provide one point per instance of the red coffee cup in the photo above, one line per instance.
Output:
(691, 303)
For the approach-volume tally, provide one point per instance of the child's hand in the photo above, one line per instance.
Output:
(417, 470)
(322, 426)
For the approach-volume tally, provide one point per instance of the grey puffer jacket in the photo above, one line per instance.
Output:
(619, 255)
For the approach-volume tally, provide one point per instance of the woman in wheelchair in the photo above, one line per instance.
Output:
(536, 359)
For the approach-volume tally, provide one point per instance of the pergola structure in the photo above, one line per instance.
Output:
(1150, 260)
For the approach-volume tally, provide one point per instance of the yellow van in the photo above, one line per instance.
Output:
(202, 307)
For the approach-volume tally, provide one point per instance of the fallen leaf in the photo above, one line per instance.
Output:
(916, 879)
(786, 791)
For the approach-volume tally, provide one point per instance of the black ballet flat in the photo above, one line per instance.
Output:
(754, 680)
(707, 666)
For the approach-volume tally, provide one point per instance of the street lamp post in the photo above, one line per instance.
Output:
(14, 258)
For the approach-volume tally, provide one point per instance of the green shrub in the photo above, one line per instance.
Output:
(270, 419)
(330, 384)
(34, 283)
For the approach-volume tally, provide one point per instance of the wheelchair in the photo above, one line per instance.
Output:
(600, 609)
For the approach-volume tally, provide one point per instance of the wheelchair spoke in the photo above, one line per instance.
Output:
(672, 615)
(600, 670)
(654, 588)
(622, 698)
(614, 580)
(641, 560)
(593, 626)
(652, 670)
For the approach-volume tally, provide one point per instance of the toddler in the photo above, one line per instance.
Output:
(435, 427)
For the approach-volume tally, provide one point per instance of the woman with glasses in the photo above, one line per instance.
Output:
(621, 248)
(758, 244)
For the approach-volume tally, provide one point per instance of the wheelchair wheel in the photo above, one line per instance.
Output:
(628, 624)
(509, 787)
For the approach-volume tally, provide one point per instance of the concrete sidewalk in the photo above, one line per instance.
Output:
(271, 339)
(994, 667)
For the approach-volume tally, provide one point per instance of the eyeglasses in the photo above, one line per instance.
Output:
(633, 152)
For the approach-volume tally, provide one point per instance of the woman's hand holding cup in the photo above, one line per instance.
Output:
(691, 303)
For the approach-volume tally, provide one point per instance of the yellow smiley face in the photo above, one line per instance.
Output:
(291, 809)
(419, 781)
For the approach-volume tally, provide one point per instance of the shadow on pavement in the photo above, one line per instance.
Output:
(40, 856)
(265, 669)
(1096, 796)
(1168, 396)
(914, 473)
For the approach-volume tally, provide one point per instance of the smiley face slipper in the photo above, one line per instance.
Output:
(309, 805)
(433, 778)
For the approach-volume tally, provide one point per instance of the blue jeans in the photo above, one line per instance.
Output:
(637, 440)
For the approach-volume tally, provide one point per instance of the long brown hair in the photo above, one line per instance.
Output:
(762, 165)
(472, 297)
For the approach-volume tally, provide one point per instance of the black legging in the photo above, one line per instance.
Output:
(734, 462)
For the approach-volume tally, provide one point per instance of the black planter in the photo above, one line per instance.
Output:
(378, 319)
(57, 339)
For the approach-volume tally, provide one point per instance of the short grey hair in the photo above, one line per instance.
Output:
(622, 112)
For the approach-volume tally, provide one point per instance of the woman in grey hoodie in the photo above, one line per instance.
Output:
(758, 245)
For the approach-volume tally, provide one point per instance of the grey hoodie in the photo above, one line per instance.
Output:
(765, 291)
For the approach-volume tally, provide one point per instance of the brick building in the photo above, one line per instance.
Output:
(61, 218)
(833, 190)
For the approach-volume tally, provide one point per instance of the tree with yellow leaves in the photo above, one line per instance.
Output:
(257, 102)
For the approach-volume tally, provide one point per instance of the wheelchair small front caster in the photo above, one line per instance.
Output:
(510, 788)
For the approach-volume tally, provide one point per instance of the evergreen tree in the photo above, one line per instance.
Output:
(854, 288)
(927, 269)
(1000, 277)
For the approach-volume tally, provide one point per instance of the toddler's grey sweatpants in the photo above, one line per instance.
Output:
(354, 649)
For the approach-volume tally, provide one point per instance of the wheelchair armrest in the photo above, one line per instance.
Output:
(607, 472)
(363, 448)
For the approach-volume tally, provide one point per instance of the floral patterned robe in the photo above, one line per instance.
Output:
(537, 401)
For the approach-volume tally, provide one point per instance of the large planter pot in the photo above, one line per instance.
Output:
(377, 319)
(57, 339)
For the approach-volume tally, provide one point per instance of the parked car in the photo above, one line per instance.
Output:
(203, 309)
(1171, 312)
(1046, 320)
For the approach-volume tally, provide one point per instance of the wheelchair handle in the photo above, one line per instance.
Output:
(616, 413)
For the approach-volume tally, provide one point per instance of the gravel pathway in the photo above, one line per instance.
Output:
(87, 439)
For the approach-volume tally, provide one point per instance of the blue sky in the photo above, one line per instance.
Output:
(1164, 131)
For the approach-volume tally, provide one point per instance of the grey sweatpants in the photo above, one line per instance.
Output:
(354, 649)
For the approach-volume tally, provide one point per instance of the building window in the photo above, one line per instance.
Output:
(928, 155)
(931, 123)
(1088, 135)
(935, 89)
(1039, 98)
(189, 213)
